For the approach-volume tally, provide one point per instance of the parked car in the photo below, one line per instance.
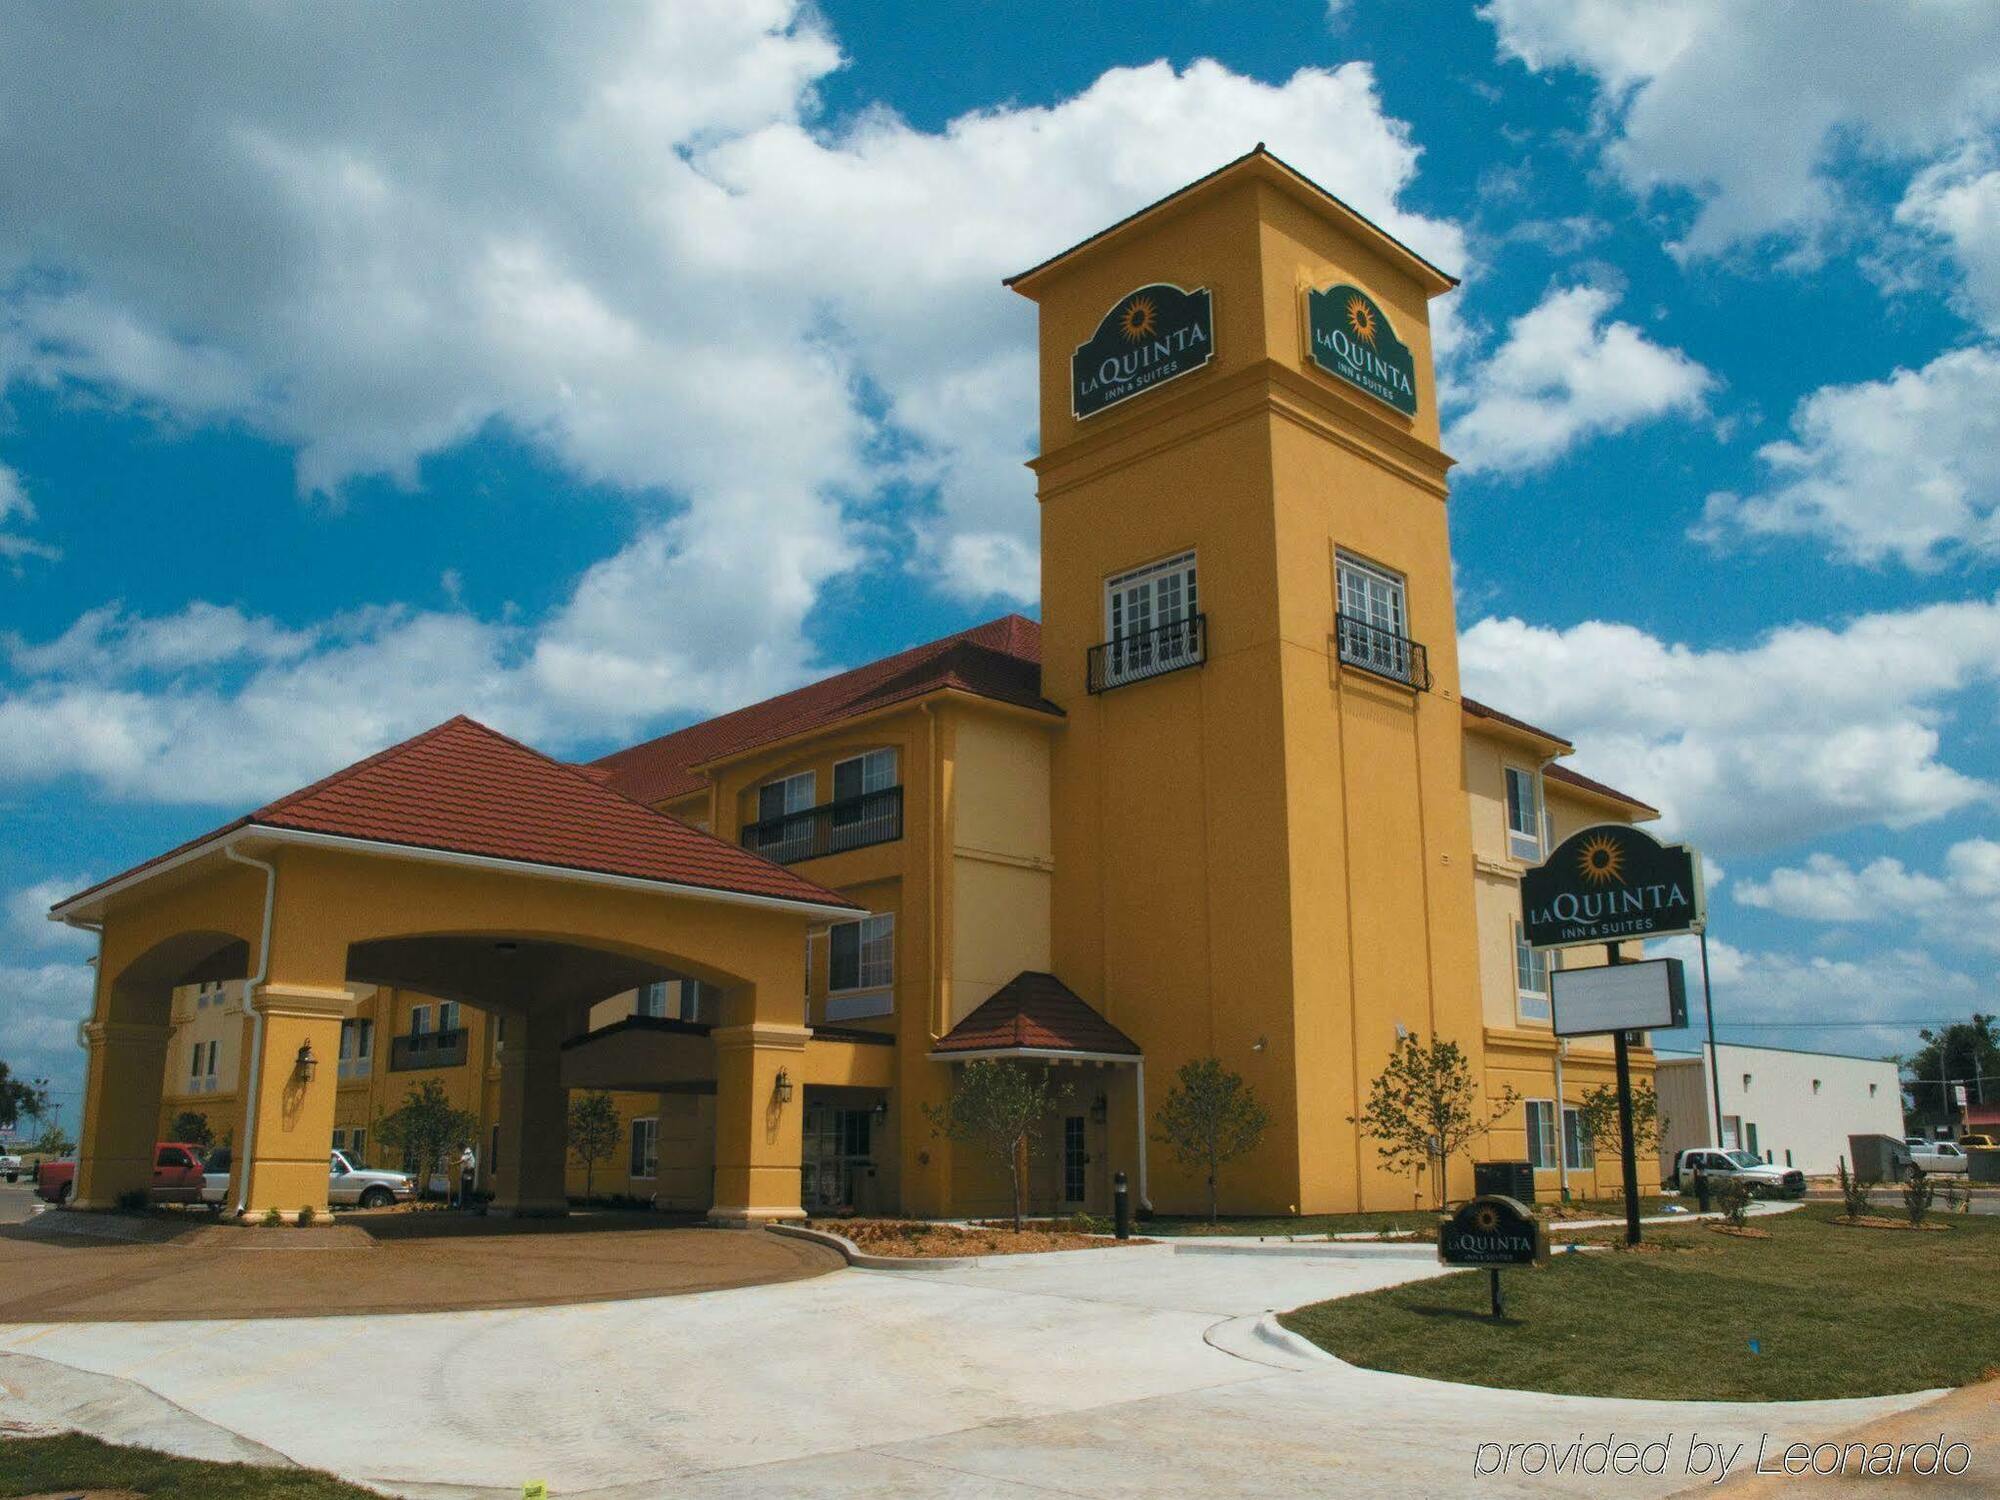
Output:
(176, 1175)
(10, 1168)
(346, 1183)
(1935, 1159)
(1760, 1176)
(1978, 1142)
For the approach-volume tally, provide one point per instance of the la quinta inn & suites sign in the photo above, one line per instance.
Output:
(1149, 337)
(1349, 337)
(1611, 882)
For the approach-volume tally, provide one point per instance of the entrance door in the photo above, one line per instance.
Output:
(834, 1155)
(1075, 1162)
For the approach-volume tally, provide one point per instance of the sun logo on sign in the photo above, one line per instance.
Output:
(1140, 320)
(1361, 318)
(1486, 1219)
(1601, 860)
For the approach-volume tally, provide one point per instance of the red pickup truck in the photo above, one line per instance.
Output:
(176, 1175)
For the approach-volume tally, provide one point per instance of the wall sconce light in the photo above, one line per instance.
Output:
(1259, 1045)
(783, 1087)
(307, 1064)
(1100, 1109)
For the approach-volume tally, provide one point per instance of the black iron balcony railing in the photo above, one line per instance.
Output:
(1383, 652)
(830, 828)
(1148, 653)
(427, 1049)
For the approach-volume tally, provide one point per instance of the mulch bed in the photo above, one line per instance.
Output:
(1877, 1221)
(1739, 1231)
(910, 1237)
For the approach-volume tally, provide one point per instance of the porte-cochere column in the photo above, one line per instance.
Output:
(284, 1150)
(121, 1110)
(528, 1178)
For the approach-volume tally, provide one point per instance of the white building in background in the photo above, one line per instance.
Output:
(1795, 1109)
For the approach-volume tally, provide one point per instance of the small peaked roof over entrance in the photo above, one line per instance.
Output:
(462, 789)
(1034, 1014)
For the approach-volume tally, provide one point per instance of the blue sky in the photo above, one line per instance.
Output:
(349, 380)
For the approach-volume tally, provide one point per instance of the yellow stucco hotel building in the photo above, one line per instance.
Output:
(1226, 800)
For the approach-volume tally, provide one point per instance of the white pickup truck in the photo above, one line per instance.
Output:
(11, 1168)
(1935, 1158)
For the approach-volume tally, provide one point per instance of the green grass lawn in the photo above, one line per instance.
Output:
(32, 1466)
(1835, 1312)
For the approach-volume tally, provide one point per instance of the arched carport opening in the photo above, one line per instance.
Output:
(556, 1035)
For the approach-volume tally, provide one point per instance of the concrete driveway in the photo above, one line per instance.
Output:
(1135, 1371)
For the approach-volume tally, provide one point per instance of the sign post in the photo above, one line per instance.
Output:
(1601, 885)
(1491, 1232)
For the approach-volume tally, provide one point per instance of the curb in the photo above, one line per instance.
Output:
(1262, 1340)
(856, 1256)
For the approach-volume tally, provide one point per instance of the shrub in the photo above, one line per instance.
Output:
(1853, 1192)
(272, 1218)
(1731, 1195)
(306, 1216)
(134, 1200)
(1918, 1191)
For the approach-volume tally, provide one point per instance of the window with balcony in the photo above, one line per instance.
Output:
(1524, 814)
(1372, 627)
(1152, 624)
(867, 808)
(861, 968)
(424, 1047)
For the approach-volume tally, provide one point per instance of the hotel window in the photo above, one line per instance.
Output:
(646, 1147)
(1541, 1133)
(651, 1000)
(339, 1140)
(358, 1146)
(859, 817)
(1149, 620)
(1524, 814)
(862, 954)
(448, 1015)
(1579, 1154)
(782, 837)
(1374, 629)
(1531, 978)
(357, 1047)
(420, 1020)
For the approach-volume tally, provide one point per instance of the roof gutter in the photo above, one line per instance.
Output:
(1048, 1054)
(225, 844)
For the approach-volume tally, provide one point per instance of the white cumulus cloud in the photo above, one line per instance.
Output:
(1563, 375)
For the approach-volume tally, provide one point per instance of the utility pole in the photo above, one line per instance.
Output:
(1714, 1057)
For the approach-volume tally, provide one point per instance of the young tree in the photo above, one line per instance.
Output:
(19, 1097)
(997, 1105)
(1423, 1109)
(593, 1133)
(1211, 1117)
(1597, 1118)
(52, 1143)
(191, 1126)
(427, 1128)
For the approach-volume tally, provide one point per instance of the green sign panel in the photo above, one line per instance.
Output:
(1609, 882)
(1150, 336)
(1350, 338)
(1493, 1231)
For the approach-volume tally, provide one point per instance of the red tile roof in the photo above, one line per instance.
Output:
(1035, 1012)
(1578, 779)
(1001, 660)
(462, 788)
(1481, 711)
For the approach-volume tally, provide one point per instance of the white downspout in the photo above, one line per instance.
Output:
(1145, 1199)
(241, 1162)
(1562, 1129)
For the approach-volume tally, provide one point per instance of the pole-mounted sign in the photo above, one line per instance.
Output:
(1148, 337)
(1611, 882)
(1492, 1232)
